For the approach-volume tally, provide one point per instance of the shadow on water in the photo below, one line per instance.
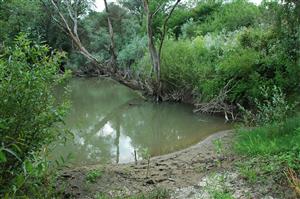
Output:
(110, 122)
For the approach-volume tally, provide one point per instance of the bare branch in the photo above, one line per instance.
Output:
(157, 10)
(61, 16)
(73, 33)
(163, 34)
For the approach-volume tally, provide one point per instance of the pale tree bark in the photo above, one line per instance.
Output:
(155, 54)
(72, 28)
(113, 59)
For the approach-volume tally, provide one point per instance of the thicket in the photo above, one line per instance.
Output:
(30, 117)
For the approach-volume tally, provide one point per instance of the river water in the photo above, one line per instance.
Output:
(111, 123)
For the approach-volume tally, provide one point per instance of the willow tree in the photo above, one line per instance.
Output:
(152, 9)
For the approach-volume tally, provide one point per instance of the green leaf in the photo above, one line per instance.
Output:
(2, 157)
(28, 167)
(12, 153)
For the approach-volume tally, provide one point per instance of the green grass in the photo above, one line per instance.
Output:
(249, 173)
(270, 151)
(270, 139)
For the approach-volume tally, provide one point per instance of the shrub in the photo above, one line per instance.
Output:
(29, 115)
(93, 175)
(271, 108)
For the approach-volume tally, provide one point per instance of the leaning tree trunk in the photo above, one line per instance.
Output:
(113, 59)
(155, 58)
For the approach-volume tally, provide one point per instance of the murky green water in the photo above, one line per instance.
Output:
(110, 122)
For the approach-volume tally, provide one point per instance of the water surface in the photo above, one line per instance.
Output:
(110, 122)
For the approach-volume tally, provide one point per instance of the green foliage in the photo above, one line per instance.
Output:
(31, 17)
(30, 116)
(16, 15)
(271, 108)
(185, 70)
(274, 107)
(231, 16)
(202, 12)
(246, 59)
(93, 175)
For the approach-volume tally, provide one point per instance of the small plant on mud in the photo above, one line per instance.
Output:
(100, 195)
(248, 173)
(216, 187)
(199, 169)
(158, 193)
(222, 195)
(93, 175)
(146, 155)
(218, 145)
(293, 180)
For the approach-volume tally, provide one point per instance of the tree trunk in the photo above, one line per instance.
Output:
(113, 59)
(155, 58)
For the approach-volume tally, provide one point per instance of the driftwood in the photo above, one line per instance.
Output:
(218, 104)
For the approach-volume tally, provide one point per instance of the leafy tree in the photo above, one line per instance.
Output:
(231, 16)
(17, 16)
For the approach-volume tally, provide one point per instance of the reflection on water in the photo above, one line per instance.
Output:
(110, 122)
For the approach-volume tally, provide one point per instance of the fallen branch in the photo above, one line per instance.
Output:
(219, 104)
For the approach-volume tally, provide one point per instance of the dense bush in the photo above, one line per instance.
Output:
(30, 116)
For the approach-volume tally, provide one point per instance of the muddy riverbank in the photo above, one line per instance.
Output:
(172, 171)
(195, 172)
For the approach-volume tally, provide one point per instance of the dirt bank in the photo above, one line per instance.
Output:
(186, 173)
(178, 169)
